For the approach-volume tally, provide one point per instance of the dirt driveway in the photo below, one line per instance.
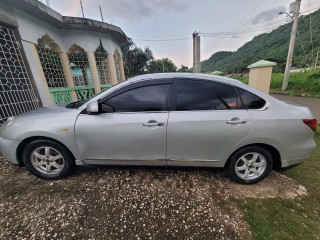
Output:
(129, 203)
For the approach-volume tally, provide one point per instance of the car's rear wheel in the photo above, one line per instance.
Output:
(48, 159)
(250, 165)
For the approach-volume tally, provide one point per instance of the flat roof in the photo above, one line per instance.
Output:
(42, 12)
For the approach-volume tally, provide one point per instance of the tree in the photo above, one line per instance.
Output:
(184, 69)
(135, 60)
(161, 65)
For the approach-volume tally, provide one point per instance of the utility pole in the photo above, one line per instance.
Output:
(196, 53)
(82, 8)
(315, 64)
(101, 14)
(295, 7)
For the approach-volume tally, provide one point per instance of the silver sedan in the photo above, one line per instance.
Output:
(164, 120)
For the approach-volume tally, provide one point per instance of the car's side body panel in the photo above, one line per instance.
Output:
(203, 138)
(121, 137)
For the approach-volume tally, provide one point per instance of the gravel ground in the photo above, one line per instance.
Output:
(119, 203)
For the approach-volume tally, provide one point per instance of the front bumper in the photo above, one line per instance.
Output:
(8, 149)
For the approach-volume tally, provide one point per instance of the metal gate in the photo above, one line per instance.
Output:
(16, 92)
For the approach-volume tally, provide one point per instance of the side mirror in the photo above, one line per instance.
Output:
(93, 107)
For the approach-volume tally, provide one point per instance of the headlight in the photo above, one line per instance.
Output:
(10, 119)
(6, 123)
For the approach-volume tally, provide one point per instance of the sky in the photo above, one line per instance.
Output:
(166, 26)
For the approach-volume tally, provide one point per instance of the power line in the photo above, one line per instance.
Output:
(311, 40)
(304, 51)
(166, 35)
(317, 8)
(235, 34)
(252, 29)
(161, 40)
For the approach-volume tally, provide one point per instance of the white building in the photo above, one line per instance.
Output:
(48, 59)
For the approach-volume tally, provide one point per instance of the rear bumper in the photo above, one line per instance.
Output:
(287, 163)
(298, 154)
(8, 149)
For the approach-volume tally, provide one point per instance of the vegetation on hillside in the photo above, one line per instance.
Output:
(271, 46)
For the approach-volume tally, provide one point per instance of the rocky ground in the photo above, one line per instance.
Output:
(130, 203)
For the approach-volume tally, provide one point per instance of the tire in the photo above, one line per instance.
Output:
(249, 165)
(48, 159)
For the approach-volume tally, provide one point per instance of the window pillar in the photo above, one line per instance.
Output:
(67, 72)
(113, 71)
(94, 72)
(122, 75)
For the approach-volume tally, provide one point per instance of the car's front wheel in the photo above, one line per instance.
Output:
(48, 159)
(250, 165)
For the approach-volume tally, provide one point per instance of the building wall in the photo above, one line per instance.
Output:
(31, 29)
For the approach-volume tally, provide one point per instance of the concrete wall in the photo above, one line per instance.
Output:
(260, 78)
(31, 29)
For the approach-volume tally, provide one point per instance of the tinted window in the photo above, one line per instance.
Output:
(149, 98)
(205, 95)
(250, 100)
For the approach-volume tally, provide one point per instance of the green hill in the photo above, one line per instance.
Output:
(271, 46)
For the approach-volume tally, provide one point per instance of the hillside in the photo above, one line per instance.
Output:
(271, 46)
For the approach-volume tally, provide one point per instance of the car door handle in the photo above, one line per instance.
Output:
(236, 121)
(153, 123)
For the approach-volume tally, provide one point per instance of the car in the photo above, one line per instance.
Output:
(173, 119)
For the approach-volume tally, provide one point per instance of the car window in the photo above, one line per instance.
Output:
(250, 100)
(205, 95)
(148, 98)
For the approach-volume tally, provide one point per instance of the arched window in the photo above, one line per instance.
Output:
(103, 68)
(79, 65)
(117, 61)
(48, 52)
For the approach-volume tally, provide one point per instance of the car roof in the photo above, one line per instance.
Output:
(183, 75)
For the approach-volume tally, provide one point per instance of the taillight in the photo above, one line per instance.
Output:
(311, 123)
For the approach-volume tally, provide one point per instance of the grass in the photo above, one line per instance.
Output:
(301, 84)
(289, 219)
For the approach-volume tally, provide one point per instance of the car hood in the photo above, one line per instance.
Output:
(49, 110)
(51, 119)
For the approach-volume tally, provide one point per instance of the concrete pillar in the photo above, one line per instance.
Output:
(260, 75)
(121, 68)
(196, 53)
(67, 73)
(94, 72)
(38, 74)
(112, 67)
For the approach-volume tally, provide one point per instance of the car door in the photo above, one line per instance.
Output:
(130, 127)
(207, 119)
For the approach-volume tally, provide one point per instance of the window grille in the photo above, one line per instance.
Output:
(79, 65)
(16, 92)
(48, 52)
(103, 66)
